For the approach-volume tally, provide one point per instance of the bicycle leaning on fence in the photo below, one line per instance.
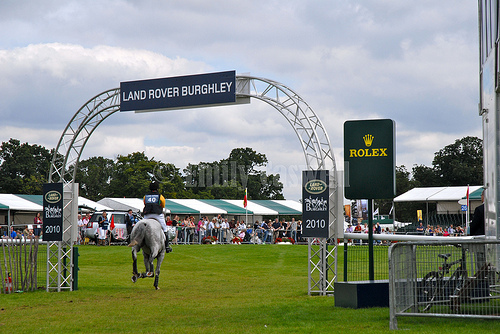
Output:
(438, 288)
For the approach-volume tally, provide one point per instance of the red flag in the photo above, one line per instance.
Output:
(467, 197)
(245, 199)
(112, 225)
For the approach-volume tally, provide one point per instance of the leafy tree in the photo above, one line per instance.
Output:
(132, 175)
(460, 163)
(424, 176)
(403, 184)
(171, 182)
(457, 164)
(94, 176)
(24, 168)
(229, 177)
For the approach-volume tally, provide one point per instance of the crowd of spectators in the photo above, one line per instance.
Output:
(430, 230)
(21, 232)
(222, 230)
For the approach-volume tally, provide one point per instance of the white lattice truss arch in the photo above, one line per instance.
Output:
(306, 124)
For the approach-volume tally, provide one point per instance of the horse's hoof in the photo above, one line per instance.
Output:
(150, 274)
(134, 279)
(157, 288)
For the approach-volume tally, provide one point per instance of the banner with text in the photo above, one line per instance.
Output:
(188, 91)
(369, 159)
(52, 211)
(315, 203)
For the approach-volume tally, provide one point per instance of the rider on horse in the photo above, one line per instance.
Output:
(154, 203)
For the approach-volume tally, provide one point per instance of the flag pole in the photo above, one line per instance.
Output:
(245, 204)
(467, 215)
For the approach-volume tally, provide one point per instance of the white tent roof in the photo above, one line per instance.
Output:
(18, 203)
(123, 204)
(85, 202)
(289, 203)
(435, 194)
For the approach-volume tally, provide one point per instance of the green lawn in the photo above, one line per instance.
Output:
(204, 289)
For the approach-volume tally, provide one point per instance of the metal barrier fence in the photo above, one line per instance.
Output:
(353, 261)
(23, 265)
(445, 279)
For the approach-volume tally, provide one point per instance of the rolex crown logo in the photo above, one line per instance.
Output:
(368, 140)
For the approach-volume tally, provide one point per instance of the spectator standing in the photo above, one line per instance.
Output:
(102, 230)
(13, 233)
(175, 224)
(420, 228)
(210, 227)
(80, 229)
(266, 229)
(276, 229)
(349, 229)
(293, 229)
(285, 227)
(217, 228)
(37, 226)
(224, 225)
(130, 221)
(358, 229)
(85, 220)
(477, 228)
(201, 230)
(477, 224)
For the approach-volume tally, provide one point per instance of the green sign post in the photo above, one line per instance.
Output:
(369, 166)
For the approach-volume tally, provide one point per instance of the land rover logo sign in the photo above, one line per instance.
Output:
(315, 204)
(53, 196)
(52, 212)
(315, 187)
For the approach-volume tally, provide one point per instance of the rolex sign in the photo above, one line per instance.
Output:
(369, 159)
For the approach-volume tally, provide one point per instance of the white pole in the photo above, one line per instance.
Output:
(467, 215)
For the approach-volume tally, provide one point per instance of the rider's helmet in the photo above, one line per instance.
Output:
(154, 186)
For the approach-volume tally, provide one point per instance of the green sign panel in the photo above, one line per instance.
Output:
(369, 159)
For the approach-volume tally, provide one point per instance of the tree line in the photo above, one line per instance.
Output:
(24, 169)
(457, 164)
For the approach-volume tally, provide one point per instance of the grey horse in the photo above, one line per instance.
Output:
(147, 235)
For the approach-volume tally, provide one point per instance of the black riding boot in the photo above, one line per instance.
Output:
(168, 249)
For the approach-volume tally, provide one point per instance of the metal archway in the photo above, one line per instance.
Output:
(306, 124)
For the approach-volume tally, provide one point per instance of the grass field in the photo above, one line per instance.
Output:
(204, 289)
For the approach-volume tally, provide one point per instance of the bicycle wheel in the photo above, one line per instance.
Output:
(458, 289)
(428, 291)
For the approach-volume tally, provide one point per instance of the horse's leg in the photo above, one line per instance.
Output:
(148, 263)
(159, 260)
(135, 274)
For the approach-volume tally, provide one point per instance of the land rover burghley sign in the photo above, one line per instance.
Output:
(191, 91)
(315, 203)
(52, 211)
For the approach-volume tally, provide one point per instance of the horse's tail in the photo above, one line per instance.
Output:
(137, 234)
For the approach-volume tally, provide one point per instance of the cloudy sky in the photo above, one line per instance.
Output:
(415, 62)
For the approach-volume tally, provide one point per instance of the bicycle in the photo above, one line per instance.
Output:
(438, 288)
